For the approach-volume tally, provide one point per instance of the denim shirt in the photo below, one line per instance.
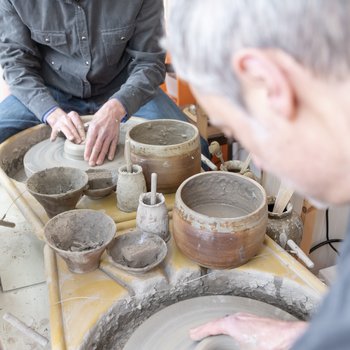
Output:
(88, 49)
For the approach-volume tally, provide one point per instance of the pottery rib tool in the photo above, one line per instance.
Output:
(283, 197)
(127, 156)
(246, 163)
(153, 188)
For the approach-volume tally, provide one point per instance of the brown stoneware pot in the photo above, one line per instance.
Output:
(170, 148)
(220, 219)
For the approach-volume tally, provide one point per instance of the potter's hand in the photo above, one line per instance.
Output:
(253, 332)
(69, 124)
(103, 133)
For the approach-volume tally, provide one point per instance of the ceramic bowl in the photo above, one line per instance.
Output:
(136, 252)
(80, 237)
(58, 189)
(219, 219)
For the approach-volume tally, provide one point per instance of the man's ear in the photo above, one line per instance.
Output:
(256, 69)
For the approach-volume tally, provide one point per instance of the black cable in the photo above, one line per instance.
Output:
(319, 245)
(328, 240)
(327, 232)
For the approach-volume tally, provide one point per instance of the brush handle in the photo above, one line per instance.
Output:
(246, 163)
(127, 156)
(284, 195)
(153, 188)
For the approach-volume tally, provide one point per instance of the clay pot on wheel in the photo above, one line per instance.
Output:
(285, 226)
(58, 189)
(220, 219)
(80, 237)
(170, 148)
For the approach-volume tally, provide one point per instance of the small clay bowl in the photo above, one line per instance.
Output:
(170, 148)
(58, 189)
(80, 237)
(136, 252)
(220, 219)
(100, 184)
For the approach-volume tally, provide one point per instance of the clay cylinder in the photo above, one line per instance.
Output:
(220, 219)
(170, 148)
(129, 188)
(281, 227)
(153, 219)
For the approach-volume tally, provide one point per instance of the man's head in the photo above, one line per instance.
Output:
(275, 75)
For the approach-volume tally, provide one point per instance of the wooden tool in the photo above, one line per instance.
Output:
(283, 197)
(22, 327)
(153, 188)
(127, 156)
(246, 163)
(7, 223)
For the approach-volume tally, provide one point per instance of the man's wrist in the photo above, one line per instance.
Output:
(120, 111)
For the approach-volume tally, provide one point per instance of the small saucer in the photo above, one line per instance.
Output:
(136, 252)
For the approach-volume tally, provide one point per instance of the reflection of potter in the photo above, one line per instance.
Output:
(153, 219)
(129, 188)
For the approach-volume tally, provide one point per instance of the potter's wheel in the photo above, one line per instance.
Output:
(46, 154)
(169, 328)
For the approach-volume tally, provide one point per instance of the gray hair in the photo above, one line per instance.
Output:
(204, 34)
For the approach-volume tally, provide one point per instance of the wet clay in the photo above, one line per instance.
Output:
(137, 252)
(158, 331)
(47, 154)
(77, 246)
(140, 255)
(220, 210)
(80, 237)
(163, 133)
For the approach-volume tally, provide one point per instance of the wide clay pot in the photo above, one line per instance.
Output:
(220, 219)
(80, 237)
(170, 148)
(58, 189)
(285, 226)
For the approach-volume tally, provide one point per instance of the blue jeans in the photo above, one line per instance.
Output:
(15, 117)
